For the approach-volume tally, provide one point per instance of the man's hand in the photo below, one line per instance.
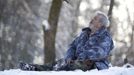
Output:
(82, 57)
(88, 62)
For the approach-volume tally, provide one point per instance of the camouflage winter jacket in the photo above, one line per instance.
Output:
(95, 47)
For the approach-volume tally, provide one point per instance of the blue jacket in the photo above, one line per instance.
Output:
(95, 47)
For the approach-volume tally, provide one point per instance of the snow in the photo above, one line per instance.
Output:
(110, 71)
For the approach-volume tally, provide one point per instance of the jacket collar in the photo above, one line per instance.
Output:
(98, 32)
(86, 29)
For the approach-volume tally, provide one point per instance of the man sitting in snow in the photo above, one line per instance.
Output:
(88, 51)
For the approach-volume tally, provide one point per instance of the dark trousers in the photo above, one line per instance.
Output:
(57, 66)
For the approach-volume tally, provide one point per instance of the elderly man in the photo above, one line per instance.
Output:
(89, 50)
(94, 45)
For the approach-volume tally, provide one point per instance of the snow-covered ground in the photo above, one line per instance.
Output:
(110, 71)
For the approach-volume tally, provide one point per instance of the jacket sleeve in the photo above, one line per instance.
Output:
(100, 50)
(71, 51)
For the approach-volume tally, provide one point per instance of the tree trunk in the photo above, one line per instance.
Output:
(76, 14)
(110, 18)
(110, 13)
(49, 35)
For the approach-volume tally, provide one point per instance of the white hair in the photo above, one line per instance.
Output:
(104, 18)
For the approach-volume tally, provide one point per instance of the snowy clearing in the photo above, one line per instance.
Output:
(111, 71)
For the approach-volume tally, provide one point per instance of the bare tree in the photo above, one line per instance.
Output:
(110, 12)
(76, 14)
(49, 35)
(130, 52)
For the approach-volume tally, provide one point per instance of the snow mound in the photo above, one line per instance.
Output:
(110, 71)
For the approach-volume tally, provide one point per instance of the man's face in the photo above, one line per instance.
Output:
(95, 23)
